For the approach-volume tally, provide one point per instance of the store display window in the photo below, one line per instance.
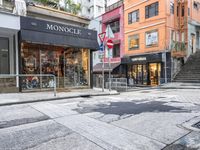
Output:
(69, 65)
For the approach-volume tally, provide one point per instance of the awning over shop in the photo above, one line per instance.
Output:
(54, 39)
(52, 33)
(98, 67)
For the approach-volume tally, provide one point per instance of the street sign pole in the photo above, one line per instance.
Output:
(102, 48)
(109, 34)
(103, 70)
(110, 46)
(109, 62)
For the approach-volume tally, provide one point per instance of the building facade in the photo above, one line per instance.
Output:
(91, 8)
(114, 17)
(9, 28)
(185, 32)
(147, 55)
(45, 43)
(159, 38)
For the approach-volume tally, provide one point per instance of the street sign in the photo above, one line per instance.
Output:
(101, 47)
(110, 43)
(102, 36)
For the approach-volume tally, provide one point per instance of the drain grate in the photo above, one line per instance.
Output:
(197, 125)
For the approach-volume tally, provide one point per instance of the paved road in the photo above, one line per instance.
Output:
(140, 120)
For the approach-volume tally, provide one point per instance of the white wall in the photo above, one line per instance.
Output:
(10, 21)
(96, 24)
(91, 5)
(110, 2)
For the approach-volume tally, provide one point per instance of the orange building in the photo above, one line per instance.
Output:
(153, 28)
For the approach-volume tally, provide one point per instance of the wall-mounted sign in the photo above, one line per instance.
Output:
(139, 59)
(54, 27)
(37, 25)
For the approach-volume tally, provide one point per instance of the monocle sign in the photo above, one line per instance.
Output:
(63, 29)
(47, 27)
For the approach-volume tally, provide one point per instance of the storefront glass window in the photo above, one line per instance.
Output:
(137, 74)
(152, 38)
(69, 65)
(133, 42)
(4, 56)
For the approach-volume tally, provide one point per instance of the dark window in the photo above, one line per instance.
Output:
(196, 5)
(116, 50)
(133, 17)
(171, 7)
(177, 10)
(4, 56)
(151, 10)
(115, 26)
(183, 11)
(188, 11)
(133, 42)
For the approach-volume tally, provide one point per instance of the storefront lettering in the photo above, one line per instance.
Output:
(139, 59)
(63, 29)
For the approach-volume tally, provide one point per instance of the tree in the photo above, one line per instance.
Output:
(69, 5)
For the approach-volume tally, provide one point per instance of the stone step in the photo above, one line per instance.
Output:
(187, 81)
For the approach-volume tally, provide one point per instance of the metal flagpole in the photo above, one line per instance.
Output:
(103, 71)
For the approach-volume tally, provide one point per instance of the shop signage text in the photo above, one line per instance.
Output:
(63, 29)
(139, 59)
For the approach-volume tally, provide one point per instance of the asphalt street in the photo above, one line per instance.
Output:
(154, 119)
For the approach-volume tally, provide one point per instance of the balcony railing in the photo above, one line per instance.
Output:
(178, 49)
(7, 6)
(115, 5)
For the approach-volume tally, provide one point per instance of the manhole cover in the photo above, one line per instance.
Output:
(197, 125)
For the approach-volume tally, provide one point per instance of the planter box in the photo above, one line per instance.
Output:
(178, 54)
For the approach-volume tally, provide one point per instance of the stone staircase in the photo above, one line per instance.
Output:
(190, 72)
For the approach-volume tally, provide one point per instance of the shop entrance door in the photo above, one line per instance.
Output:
(154, 73)
(4, 56)
(72, 75)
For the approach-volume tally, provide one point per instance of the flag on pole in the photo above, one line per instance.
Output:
(109, 32)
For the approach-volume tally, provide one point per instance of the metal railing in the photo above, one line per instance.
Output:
(31, 81)
(119, 84)
(115, 5)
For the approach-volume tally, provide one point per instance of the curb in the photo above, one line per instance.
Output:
(56, 98)
(179, 88)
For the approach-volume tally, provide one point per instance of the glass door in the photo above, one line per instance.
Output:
(154, 73)
(4, 56)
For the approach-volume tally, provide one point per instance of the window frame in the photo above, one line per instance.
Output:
(116, 56)
(148, 9)
(117, 28)
(171, 8)
(130, 17)
(133, 37)
(153, 45)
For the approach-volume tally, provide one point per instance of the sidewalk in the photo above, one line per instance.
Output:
(20, 98)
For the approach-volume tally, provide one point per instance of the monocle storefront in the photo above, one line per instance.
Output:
(61, 50)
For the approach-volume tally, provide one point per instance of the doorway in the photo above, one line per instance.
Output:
(154, 73)
(4, 56)
(193, 44)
